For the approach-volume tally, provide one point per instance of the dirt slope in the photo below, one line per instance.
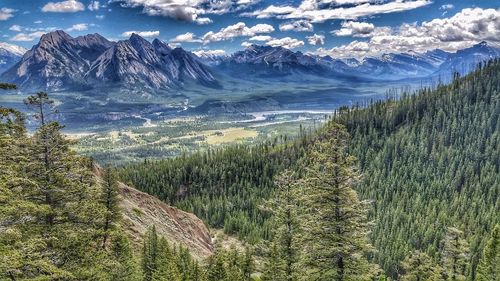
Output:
(141, 210)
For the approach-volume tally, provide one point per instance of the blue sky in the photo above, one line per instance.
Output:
(335, 27)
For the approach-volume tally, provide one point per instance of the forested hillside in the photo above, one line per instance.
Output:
(429, 164)
(61, 220)
(223, 187)
(431, 161)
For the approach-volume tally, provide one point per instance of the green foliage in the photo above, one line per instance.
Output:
(230, 265)
(419, 266)
(489, 266)
(430, 161)
(109, 198)
(455, 255)
(284, 254)
(50, 222)
(335, 242)
(225, 187)
(161, 262)
(7, 86)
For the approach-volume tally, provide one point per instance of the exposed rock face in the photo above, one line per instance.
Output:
(61, 62)
(141, 210)
(9, 55)
(57, 62)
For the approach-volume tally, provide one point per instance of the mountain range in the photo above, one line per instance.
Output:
(61, 62)
(266, 61)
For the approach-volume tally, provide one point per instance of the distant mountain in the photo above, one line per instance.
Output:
(211, 59)
(269, 62)
(60, 62)
(466, 60)
(57, 62)
(266, 60)
(9, 55)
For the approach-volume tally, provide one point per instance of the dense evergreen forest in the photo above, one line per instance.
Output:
(429, 163)
(403, 189)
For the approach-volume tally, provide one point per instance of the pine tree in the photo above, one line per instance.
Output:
(247, 264)
(109, 198)
(125, 268)
(284, 208)
(167, 269)
(53, 230)
(7, 86)
(273, 265)
(335, 221)
(216, 268)
(419, 266)
(149, 254)
(455, 255)
(489, 266)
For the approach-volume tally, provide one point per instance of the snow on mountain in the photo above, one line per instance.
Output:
(9, 55)
(60, 62)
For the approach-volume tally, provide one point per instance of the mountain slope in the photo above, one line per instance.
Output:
(61, 62)
(141, 210)
(57, 62)
(466, 60)
(9, 55)
(431, 161)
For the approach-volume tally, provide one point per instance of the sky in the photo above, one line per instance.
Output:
(339, 28)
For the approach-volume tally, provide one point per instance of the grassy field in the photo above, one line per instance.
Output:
(176, 136)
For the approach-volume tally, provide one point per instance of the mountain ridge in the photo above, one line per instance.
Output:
(60, 62)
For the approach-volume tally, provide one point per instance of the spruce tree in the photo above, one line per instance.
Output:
(53, 233)
(489, 266)
(455, 255)
(284, 208)
(149, 254)
(273, 264)
(110, 200)
(216, 268)
(247, 264)
(335, 221)
(419, 266)
(126, 267)
(166, 269)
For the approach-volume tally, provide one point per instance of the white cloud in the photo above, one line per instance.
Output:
(6, 13)
(287, 42)
(27, 37)
(299, 25)
(16, 28)
(186, 37)
(237, 30)
(356, 29)
(38, 22)
(69, 6)
(316, 39)
(271, 11)
(209, 53)
(464, 29)
(261, 38)
(141, 33)
(188, 10)
(94, 5)
(246, 44)
(79, 27)
(100, 17)
(203, 20)
(318, 11)
(447, 7)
